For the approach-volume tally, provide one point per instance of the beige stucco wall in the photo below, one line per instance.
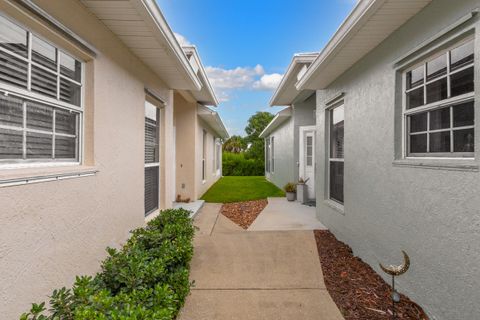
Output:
(186, 147)
(189, 148)
(52, 231)
(211, 175)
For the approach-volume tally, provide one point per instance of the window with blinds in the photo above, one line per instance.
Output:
(40, 99)
(152, 164)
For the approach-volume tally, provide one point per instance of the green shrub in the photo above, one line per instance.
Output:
(235, 164)
(146, 279)
(290, 187)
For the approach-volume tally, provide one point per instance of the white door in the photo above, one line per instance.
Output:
(309, 162)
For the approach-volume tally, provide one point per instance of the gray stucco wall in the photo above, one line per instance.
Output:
(303, 115)
(283, 149)
(434, 215)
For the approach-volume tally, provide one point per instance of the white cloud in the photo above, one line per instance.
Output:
(268, 82)
(240, 77)
(227, 80)
(182, 40)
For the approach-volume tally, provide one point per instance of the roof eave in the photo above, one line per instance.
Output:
(154, 12)
(212, 99)
(214, 120)
(360, 15)
(279, 118)
(289, 78)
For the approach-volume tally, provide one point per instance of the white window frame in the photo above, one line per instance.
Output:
(204, 155)
(154, 164)
(272, 154)
(267, 154)
(329, 111)
(26, 94)
(449, 102)
(218, 153)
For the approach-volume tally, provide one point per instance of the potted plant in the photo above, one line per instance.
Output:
(302, 190)
(290, 189)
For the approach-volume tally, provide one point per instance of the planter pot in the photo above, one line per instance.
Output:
(302, 193)
(290, 196)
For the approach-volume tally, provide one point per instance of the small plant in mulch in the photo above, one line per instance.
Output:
(359, 292)
(243, 213)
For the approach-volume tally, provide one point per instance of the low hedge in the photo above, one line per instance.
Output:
(148, 278)
(235, 164)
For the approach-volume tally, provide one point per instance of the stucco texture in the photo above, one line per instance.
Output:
(189, 150)
(431, 214)
(287, 140)
(53, 231)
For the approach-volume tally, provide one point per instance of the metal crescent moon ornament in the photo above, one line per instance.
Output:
(398, 270)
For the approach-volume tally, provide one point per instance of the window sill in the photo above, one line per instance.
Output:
(152, 215)
(23, 176)
(439, 164)
(335, 206)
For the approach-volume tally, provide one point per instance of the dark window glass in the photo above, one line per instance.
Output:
(461, 56)
(70, 67)
(39, 117)
(440, 141)
(11, 111)
(70, 92)
(12, 37)
(44, 53)
(44, 82)
(13, 71)
(65, 122)
(418, 143)
(437, 90)
(463, 140)
(336, 181)
(151, 189)
(415, 98)
(440, 119)
(39, 145)
(11, 144)
(418, 122)
(463, 115)
(65, 147)
(461, 82)
(415, 77)
(337, 132)
(437, 67)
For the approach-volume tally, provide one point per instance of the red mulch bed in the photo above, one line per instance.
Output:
(359, 292)
(243, 213)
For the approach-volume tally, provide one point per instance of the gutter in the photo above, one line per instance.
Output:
(298, 58)
(347, 29)
(157, 17)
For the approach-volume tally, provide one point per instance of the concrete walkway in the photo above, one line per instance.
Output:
(255, 275)
(281, 214)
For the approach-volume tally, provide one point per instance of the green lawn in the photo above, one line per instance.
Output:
(236, 189)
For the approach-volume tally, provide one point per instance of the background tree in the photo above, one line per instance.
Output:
(235, 144)
(256, 124)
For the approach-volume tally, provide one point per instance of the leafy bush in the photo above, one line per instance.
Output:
(146, 279)
(235, 164)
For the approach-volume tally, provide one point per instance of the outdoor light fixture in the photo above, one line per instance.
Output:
(396, 271)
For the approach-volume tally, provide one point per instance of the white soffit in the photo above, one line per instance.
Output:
(141, 26)
(212, 118)
(279, 118)
(286, 91)
(370, 22)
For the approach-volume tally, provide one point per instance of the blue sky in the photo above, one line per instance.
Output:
(246, 45)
